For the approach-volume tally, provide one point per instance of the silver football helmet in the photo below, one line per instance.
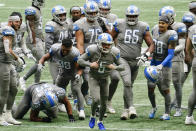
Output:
(192, 5)
(49, 100)
(132, 14)
(38, 3)
(104, 7)
(58, 10)
(105, 38)
(168, 11)
(189, 17)
(91, 7)
(152, 73)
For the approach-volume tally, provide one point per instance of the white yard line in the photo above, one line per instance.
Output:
(1, 5)
(85, 127)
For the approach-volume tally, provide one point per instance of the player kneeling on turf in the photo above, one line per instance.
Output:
(42, 97)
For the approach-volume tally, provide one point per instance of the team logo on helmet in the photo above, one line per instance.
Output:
(105, 38)
(89, 8)
(151, 73)
(104, 7)
(169, 12)
(132, 14)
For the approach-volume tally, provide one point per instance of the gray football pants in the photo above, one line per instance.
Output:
(53, 67)
(8, 86)
(38, 51)
(63, 81)
(128, 76)
(99, 90)
(115, 78)
(177, 72)
(192, 97)
(85, 76)
(163, 86)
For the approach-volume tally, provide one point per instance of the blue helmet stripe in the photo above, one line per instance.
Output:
(51, 101)
(148, 76)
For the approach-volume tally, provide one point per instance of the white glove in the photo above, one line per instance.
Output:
(40, 67)
(30, 56)
(20, 61)
(159, 67)
(77, 77)
(142, 59)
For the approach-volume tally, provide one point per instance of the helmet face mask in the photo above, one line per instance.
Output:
(39, 3)
(104, 8)
(132, 14)
(91, 11)
(105, 42)
(169, 12)
(59, 14)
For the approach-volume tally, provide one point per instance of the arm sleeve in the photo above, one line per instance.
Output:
(169, 57)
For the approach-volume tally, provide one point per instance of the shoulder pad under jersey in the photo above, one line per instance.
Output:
(77, 25)
(117, 23)
(76, 53)
(116, 52)
(91, 49)
(145, 26)
(173, 37)
(54, 48)
(179, 27)
(50, 27)
(7, 31)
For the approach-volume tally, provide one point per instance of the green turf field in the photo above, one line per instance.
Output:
(149, 13)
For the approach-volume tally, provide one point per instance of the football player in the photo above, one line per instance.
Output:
(191, 44)
(130, 34)
(35, 38)
(56, 30)
(165, 41)
(104, 11)
(86, 31)
(42, 97)
(8, 84)
(188, 19)
(66, 55)
(178, 59)
(192, 7)
(100, 59)
(20, 42)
